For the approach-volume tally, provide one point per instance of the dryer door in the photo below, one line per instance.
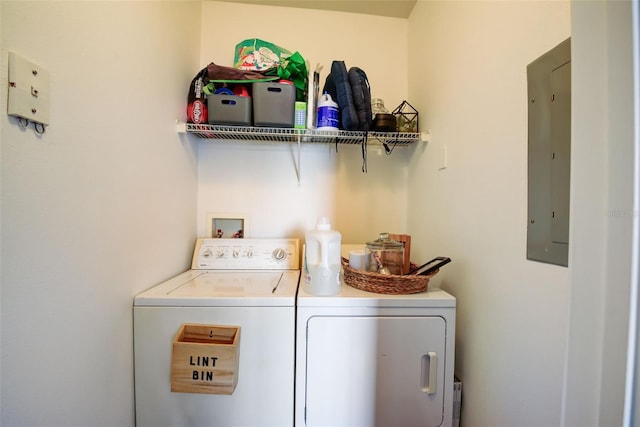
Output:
(375, 371)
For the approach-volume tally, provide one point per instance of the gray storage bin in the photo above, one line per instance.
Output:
(229, 110)
(273, 104)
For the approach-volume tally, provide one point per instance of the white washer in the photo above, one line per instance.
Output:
(251, 283)
(366, 359)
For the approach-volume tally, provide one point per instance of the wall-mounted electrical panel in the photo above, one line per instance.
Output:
(549, 150)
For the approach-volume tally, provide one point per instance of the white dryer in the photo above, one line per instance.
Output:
(248, 283)
(365, 359)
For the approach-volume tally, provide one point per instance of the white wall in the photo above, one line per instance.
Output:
(97, 209)
(602, 212)
(467, 70)
(260, 181)
(104, 205)
(2, 67)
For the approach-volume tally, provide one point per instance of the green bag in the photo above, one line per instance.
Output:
(294, 68)
(258, 55)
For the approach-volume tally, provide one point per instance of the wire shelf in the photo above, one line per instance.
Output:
(267, 134)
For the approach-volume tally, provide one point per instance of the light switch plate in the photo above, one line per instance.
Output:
(443, 157)
(28, 90)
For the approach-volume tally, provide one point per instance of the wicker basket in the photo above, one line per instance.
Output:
(384, 283)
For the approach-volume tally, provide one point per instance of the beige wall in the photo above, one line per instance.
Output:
(603, 160)
(467, 72)
(109, 200)
(99, 208)
(260, 181)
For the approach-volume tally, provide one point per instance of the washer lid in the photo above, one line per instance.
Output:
(218, 288)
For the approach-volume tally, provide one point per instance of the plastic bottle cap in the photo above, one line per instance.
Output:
(324, 223)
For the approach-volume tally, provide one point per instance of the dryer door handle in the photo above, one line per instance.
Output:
(429, 372)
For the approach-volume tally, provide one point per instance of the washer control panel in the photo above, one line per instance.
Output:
(246, 254)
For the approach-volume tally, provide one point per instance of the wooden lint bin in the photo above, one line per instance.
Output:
(205, 359)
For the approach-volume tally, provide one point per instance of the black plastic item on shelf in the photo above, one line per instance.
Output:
(384, 122)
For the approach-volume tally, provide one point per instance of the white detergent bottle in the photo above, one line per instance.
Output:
(327, 113)
(322, 261)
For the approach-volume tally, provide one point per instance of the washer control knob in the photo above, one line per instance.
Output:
(220, 253)
(207, 253)
(279, 254)
(249, 253)
(235, 253)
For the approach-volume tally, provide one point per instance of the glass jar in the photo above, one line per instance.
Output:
(385, 253)
(377, 106)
